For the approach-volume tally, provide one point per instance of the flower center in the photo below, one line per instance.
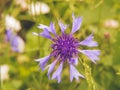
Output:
(65, 46)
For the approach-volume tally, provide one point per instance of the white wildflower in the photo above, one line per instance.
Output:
(111, 23)
(4, 69)
(12, 23)
(38, 8)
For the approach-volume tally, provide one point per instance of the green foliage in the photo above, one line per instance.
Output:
(24, 73)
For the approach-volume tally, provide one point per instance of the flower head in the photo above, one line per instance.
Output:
(12, 23)
(16, 42)
(4, 72)
(111, 23)
(38, 8)
(65, 48)
(9, 35)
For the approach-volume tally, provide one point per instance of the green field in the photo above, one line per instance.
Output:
(102, 17)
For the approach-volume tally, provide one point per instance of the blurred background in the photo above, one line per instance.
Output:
(19, 47)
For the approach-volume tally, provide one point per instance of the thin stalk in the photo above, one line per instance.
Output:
(88, 75)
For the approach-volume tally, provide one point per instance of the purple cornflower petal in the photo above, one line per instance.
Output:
(43, 61)
(89, 41)
(51, 67)
(57, 73)
(17, 44)
(9, 35)
(62, 26)
(45, 34)
(14, 44)
(92, 54)
(51, 28)
(74, 73)
(76, 23)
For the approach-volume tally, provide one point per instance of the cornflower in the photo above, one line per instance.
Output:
(65, 48)
(16, 42)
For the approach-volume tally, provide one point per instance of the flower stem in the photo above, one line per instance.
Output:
(88, 75)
